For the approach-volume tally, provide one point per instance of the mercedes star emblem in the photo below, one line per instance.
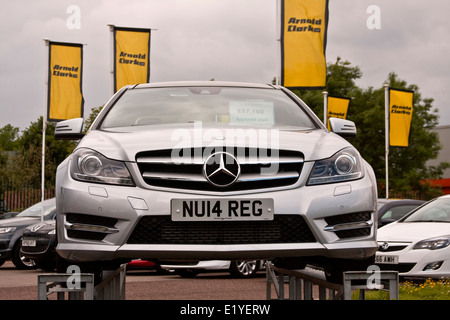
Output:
(221, 169)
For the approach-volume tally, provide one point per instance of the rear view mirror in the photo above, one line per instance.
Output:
(69, 129)
(342, 127)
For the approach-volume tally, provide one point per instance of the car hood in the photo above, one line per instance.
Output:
(412, 231)
(19, 221)
(124, 143)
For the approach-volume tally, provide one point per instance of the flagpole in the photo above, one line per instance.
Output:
(325, 108)
(278, 53)
(387, 131)
(44, 127)
(111, 46)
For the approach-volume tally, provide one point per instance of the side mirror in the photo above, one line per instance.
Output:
(342, 127)
(69, 129)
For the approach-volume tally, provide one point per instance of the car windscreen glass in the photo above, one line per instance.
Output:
(36, 210)
(224, 105)
(435, 211)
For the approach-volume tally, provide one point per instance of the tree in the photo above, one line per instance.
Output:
(407, 166)
(25, 166)
(89, 120)
(8, 138)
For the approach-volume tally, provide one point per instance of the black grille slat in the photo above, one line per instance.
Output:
(348, 217)
(161, 230)
(91, 219)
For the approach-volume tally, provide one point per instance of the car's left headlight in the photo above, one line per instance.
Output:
(433, 243)
(91, 166)
(345, 165)
(7, 229)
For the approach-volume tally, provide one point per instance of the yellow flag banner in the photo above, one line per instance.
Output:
(303, 42)
(337, 107)
(65, 97)
(131, 56)
(400, 115)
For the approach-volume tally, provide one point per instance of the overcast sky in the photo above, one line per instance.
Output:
(233, 40)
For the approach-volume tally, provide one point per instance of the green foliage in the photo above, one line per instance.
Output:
(407, 166)
(89, 120)
(23, 163)
(428, 289)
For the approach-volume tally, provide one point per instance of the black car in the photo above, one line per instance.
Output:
(38, 244)
(12, 229)
(390, 210)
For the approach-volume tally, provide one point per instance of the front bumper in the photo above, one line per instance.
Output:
(44, 250)
(122, 208)
(420, 263)
(5, 249)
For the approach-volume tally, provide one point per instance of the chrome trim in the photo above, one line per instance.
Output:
(349, 226)
(198, 178)
(89, 228)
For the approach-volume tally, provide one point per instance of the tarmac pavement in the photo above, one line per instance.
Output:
(147, 285)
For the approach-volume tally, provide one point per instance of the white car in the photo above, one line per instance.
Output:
(192, 171)
(237, 268)
(418, 245)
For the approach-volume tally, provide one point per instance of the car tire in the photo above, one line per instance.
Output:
(244, 268)
(19, 260)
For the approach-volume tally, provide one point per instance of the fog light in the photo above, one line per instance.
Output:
(433, 266)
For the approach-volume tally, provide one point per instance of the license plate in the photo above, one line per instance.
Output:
(28, 243)
(223, 209)
(386, 259)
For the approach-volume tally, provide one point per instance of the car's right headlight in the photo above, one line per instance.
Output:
(91, 166)
(345, 165)
(7, 229)
(433, 243)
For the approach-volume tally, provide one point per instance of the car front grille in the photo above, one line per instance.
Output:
(392, 248)
(401, 267)
(161, 230)
(42, 245)
(183, 168)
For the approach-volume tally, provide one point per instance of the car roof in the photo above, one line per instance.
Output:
(203, 84)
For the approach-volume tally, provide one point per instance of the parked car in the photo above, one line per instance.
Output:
(237, 268)
(141, 264)
(12, 229)
(417, 245)
(7, 215)
(39, 243)
(390, 210)
(214, 171)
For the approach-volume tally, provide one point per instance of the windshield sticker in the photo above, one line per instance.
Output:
(251, 112)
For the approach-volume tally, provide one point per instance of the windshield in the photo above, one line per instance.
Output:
(435, 211)
(36, 210)
(233, 106)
